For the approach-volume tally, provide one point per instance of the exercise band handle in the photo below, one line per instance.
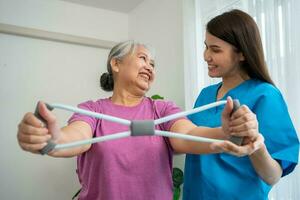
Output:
(235, 139)
(50, 144)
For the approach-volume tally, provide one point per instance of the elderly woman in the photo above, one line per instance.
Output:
(134, 167)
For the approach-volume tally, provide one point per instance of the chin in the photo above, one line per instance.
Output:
(213, 75)
(142, 89)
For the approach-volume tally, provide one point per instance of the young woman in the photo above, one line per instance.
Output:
(134, 167)
(234, 53)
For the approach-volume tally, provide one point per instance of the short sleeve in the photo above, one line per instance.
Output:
(90, 106)
(277, 128)
(166, 108)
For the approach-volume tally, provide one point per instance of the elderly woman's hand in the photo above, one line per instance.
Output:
(33, 134)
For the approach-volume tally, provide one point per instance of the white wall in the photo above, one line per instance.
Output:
(159, 23)
(64, 17)
(32, 69)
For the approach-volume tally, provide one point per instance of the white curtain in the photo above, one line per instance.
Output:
(278, 21)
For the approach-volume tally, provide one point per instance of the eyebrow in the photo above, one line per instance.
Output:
(212, 46)
(143, 54)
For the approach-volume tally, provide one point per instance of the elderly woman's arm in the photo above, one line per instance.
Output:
(33, 135)
(242, 122)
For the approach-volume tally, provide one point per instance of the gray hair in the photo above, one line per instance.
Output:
(119, 51)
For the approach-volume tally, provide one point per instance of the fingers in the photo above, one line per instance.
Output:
(239, 151)
(243, 123)
(243, 113)
(231, 148)
(34, 148)
(32, 135)
(246, 129)
(33, 139)
(245, 117)
(251, 133)
(228, 108)
(32, 120)
(32, 130)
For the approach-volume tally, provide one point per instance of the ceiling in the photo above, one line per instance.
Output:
(124, 6)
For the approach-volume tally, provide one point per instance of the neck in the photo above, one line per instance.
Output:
(125, 98)
(229, 83)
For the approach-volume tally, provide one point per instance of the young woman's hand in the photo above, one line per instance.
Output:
(33, 134)
(241, 123)
(247, 148)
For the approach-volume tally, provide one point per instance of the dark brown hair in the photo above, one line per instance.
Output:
(240, 30)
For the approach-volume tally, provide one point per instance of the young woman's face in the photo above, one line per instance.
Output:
(137, 70)
(222, 58)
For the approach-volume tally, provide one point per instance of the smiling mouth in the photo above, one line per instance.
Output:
(145, 76)
(212, 67)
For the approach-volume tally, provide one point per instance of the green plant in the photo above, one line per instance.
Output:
(156, 96)
(177, 176)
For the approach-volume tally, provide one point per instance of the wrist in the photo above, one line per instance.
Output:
(223, 134)
(260, 150)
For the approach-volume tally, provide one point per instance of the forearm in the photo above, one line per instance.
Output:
(70, 134)
(265, 166)
(193, 147)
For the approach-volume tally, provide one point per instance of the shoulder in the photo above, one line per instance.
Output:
(164, 107)
(262, 89)
(265, 97)
(92, 105)
(161, 104)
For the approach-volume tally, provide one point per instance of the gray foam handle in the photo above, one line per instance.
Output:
(235, 139)
(142, 127)
(50, 144)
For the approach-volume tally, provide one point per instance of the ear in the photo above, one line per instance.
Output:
(241, 56)
(114, 63)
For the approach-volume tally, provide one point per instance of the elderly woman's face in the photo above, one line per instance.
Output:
(137, 70)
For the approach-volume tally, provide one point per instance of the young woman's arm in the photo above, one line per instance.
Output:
(265, 166)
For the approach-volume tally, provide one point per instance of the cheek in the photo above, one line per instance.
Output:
(153, 76)
(223, 59)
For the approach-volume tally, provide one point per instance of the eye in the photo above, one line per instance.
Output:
(144, 58)
(215, 50)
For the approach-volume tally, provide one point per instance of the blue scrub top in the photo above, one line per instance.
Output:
(223, 176)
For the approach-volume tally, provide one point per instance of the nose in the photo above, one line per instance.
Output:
(206, 55)
(149, 67)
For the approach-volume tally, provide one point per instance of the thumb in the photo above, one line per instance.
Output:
(50, 119)
(45, 113)
(228, 108)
